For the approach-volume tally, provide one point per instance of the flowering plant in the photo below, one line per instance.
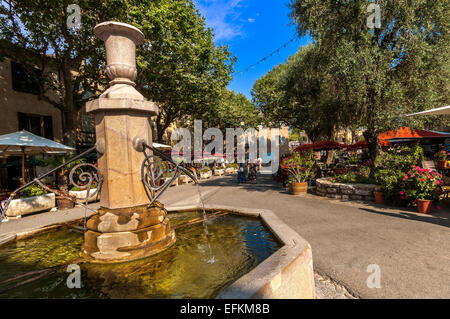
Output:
(421, 183)
(300, 166)
(441, 155)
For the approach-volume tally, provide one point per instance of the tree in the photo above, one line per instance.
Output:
(233, 110)
(179, 66)
(382, 74)
(36, 34)
(183, 71)
(300, 93)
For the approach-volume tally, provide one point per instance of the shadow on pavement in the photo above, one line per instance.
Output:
(432, 219)
(263, 183)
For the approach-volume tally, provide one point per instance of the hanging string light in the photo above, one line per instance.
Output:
(266, 57)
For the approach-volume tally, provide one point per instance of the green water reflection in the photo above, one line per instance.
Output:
(237, 243)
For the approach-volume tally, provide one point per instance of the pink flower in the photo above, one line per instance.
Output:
(401, 193)
(437, 182)
(403, 197)
(413, 175)
(422, 179)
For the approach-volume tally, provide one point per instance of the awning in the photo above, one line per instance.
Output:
(321, 145)
(24, 142)
(445, 110)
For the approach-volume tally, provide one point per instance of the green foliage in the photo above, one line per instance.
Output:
(421, 183)
(94, 185)
(352, 76)
(300, 166)
(441, 155)
(205, 169)
(354, 178)
(232, 109)
(392, 165)
(32, 190)
(179, 65)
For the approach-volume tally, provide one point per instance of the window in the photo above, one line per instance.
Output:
(24, 80)
(37, 124)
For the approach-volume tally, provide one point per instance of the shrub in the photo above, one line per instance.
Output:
(32, 190)
(205, 169)
(441, 155)
(354, 178)
(77, 189)
(421, 183)
(392, 165)
(300, 166)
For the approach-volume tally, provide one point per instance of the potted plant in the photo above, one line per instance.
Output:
(62, 180)
(340, 169)
(378, 193)
(421, 185)
(205, 173)
(300, 168)
(441, 158)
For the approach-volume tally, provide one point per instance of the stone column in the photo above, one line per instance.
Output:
(125, 228)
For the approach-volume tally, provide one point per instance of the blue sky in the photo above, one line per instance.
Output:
(252, 29)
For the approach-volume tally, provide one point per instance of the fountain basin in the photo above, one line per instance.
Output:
(279, 266)
(286, 274)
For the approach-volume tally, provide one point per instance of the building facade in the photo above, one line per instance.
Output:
(21, 107)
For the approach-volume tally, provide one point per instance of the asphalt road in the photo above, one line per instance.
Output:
(412, 251)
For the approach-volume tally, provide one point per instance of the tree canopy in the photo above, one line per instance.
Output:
(354, 76)
(179, 66)
(380, 75)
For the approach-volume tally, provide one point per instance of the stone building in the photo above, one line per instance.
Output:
(20, 106)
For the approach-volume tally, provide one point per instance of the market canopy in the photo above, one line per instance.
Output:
(321, 146)
(357, 146)
(405, 134)
(24, 142)
(445, 110)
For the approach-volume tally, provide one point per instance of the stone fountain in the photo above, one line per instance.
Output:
(126, 226)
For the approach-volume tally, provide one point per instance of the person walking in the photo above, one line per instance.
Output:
(241, 174)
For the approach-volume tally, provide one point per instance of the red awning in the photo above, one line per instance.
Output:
(321, 145)
(357, 146)
(406, 132)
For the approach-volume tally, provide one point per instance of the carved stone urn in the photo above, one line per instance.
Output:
(125, 228)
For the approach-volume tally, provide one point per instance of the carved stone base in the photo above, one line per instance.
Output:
(119, 235)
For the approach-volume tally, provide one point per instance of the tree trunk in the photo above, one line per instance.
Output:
(70, 118)
(373, 146)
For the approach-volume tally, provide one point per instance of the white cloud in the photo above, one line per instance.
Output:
(251, 20)
(223, 17)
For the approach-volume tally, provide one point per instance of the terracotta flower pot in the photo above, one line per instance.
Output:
(298, 188)
(379, 197)
(424, 206)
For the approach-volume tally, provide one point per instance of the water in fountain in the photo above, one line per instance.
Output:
(239, 244)
(211, 259)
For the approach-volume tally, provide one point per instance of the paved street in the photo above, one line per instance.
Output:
(412, 251)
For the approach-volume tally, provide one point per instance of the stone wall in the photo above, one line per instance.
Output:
(326, 188)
